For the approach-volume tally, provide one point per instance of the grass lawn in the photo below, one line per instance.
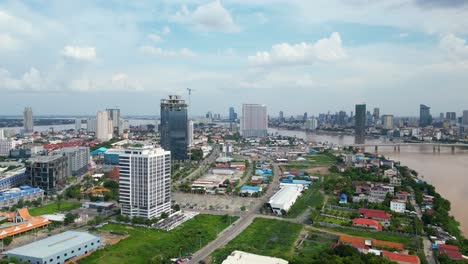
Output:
(314, 244)
(53, 208)
(315, 160)
(311, 197)
(264, 237)
(409, 242)
(145, 245)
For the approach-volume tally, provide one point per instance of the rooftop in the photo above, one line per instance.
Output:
(240, 257)
(44, 158)
(52, 245)
(401, 258)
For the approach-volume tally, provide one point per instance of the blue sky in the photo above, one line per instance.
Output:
(77, 57)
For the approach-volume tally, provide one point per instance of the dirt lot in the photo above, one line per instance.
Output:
(109, 238)
(217, 202)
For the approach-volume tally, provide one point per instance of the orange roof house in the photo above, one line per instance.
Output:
(401, 258)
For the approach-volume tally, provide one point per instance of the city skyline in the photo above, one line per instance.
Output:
(325, 50)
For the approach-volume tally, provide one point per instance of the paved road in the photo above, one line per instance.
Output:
(242, 223)
(427, 245)
(206, 162)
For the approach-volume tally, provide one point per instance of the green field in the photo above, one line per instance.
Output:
(264, 237)
(54, 208)
(145, 245)
(315, 160)
(314, 244)
(310, 198)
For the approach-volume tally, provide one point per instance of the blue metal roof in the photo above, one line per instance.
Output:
(250, 188)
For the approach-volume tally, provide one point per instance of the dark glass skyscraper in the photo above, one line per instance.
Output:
(173, 127)
(360, 121)
(232, 114)
(425, 118)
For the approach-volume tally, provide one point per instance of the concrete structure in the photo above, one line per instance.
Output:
(360, 121)
(387, 121)
(78, 159)
(28, 125)
(145, 182)
(425, 118)
(91, 125)
(398, 206)
(6, 144)
(311, 124)
(285, 197)
(173, 127)
(57, 249)
(13, 196)
(47, 172)
(232, 114)
(114, 116)
(254, 121)
(77, 124)
(190, 133)
(246, 189)
(103, 130)
(12, 178)
(240, 257)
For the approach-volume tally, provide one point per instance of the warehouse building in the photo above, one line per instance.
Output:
(240, 257)
(285, 197)
(56, 249)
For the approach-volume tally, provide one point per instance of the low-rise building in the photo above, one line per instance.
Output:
(12, 196)
(12, 178)
(240, 257)
(380, 192)
(57, 249)
(6, 144)
(401, 258)
(395, 181)
(367, 223)
(246, 189)
(378, 215)
(285, 197)
(398, 206)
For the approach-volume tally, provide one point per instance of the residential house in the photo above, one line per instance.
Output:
(398, 206)
(401, 258)
(402, 195)
(367, 223)
(451, 251)
(395, 181)
(378, 193)
(378, 215)
(390, 173)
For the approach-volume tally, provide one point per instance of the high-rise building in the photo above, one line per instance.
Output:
(311, 124)
(304, 117)
(144, 182)
(341, 120)
(103, 129)
(47, 172)
(281, 117)
(91, 125)
(376, 114)
(451, 116)
(232, 114)
(6, 144)
(77, 124)
(254, 120)
(425, 118)
(114, 116)
(360, 120)
(387, 121)
(28, 124)
(465, 118)
(190, 133)
(78, 159)
(173, 127)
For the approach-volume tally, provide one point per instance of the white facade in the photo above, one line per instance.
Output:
(398, 206)
(77, 124)
(78, 159)
(102, 126)
(28, 124)
(6, 145)
(387, 121)
(114, 116)
(190, 133)
(145, 181)
(285, 197)
(240, 257)
(254, 121)
(311, 124)
(91, 125)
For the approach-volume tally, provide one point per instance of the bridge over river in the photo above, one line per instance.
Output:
(397, 145)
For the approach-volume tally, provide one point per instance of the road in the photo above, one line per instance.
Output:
(427, 245)
(206, 162)
(242, 223)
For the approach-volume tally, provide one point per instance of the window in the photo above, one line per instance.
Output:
(50, 260)
(58, 257)
(86, 246)
(86, 252)
(65, 254)
(73, 251)
(79, 248)
(92, 244)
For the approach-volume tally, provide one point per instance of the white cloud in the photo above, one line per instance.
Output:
(166, 30)
(207, 17)
(154, 37)
(456, 47)
(14, 24)
(262, 19)
(156, 51)
(79, 53)
(326, 50)
(29, 81)
(7, 42)
(403, 35)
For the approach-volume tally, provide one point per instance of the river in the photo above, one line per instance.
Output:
(447, 171)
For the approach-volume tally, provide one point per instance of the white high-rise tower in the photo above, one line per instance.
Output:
(145, 181)
(254, 122)
(28, 124)
(103, 129)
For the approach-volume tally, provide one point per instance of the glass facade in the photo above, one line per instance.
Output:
(173, 127)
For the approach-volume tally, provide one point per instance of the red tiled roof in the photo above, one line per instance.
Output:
(401, 258)
(451, 251)
(368, 222)
(377, 215)
(448, 247)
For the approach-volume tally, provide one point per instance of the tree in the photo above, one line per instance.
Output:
(196, 154)
(7, 241)
(69, 218)
(243, 208)
(164, 215)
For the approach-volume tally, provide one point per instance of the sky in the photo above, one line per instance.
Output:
(78, 57)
